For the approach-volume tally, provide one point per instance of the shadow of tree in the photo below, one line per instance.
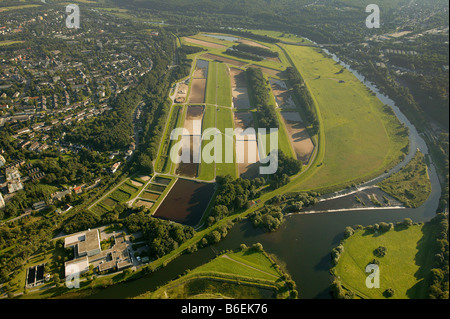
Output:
(424, 259)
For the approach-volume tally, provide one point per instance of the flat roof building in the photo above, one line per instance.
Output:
(86, 244)
(77, 266)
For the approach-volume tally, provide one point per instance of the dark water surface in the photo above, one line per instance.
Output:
(186, 202)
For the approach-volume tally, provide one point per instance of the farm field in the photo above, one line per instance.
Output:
(127, 191)
(223, 85)
(239, 89)
(227, 86)
(212, 39)
(211, 84)
(225, 120)
(197, 94)
(207, 170)
(405, 266)
(247, 155)
(192, 141)
(218, 87)
(288, 37)
(198, 83)
(224, 59)
(150, 196)
(244, 274)
(204, 43)
(355, 126)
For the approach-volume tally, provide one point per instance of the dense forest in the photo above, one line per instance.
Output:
(233, 195)
(271, 216)
(161, 236)
(184, 64)
(250, 52)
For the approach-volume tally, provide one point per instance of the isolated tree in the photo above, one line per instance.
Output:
(388, 293)
(380, 251)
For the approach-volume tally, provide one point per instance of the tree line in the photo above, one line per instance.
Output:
(303, 96)
(243, 55)
(260, 93)
(439, 273)
(259, 51)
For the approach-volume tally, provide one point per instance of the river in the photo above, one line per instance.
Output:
(304, 241)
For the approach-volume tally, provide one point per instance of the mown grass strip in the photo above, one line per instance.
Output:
(224, 95)
(207, 170)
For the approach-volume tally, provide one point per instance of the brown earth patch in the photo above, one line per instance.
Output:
(135, 183)
(298, 135)
(252, 43)
(267, 70)
(239, 89)
(197, 91)
(204, 43)
(144, 203)
(281, 94)
(223, 59)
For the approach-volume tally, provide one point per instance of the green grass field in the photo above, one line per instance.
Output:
(224, 97)
(225, 120)
(245, 274)
(411, 185)
(207, 170)
(218, 87)
(282, 36)
(408, 260)
(359, 138)
(211, 84)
